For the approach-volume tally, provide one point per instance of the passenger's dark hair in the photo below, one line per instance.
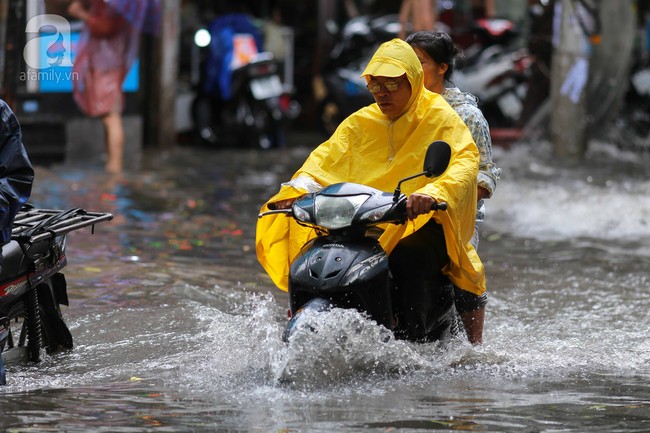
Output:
(440, 47)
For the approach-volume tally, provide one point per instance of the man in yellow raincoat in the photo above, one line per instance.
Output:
(377, 146)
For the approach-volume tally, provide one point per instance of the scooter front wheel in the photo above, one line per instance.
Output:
(297, 320)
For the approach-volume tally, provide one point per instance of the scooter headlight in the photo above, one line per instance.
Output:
(337, 212)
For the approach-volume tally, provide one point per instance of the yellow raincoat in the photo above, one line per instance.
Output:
(371, 149)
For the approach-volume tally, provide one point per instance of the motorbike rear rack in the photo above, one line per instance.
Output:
(32, 225)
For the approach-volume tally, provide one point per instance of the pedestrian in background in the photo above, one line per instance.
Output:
(422, 15)
(483, 9)
(107, 47)
(416, 15)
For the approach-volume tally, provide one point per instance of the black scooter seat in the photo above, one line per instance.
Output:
(14, 262)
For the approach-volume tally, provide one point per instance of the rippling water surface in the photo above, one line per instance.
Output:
(177, 328)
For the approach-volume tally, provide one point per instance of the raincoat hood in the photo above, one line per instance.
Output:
(371, 149)
(394, 59)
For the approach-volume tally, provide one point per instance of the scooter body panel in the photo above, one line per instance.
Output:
(20, 273)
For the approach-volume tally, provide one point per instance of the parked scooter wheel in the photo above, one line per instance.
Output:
(36, 324)
(266, 132)
(249, 124)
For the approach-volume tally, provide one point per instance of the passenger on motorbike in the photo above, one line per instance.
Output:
(377, 146)
(438, 56)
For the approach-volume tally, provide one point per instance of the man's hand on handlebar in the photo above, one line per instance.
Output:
(418, 204)
(282, 204)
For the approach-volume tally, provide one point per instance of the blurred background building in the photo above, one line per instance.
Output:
(302, 35)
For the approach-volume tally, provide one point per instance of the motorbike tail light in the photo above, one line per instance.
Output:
(261, 69)
(285, 102)
(495, 27)
(522, 61)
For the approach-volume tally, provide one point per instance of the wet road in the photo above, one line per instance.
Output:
(177, 328)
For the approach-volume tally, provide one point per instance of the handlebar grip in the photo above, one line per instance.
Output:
(277, 211)
(439, 206)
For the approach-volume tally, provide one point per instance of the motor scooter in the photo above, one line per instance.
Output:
(496, 69)
(346, 267)
(486, 34)
(240, 97)
(499, 79)
(32, 286)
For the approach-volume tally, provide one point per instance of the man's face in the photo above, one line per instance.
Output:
(391, 94)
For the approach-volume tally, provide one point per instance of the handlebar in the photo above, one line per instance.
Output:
(436, 206)
(275, 211)
(439, 206)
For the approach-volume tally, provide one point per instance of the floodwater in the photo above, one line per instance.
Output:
(177, 328)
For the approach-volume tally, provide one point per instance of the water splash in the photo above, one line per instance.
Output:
(605, 198)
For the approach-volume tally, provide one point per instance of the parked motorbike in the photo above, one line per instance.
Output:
(499, 79)
(496, 70)
(345, 266)
(486, 34)
(240, 97)
(344, 89)
(32, 287)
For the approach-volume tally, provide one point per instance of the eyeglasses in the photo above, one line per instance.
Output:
(390, 86)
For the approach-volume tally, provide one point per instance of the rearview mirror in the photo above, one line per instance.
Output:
(437, 158)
